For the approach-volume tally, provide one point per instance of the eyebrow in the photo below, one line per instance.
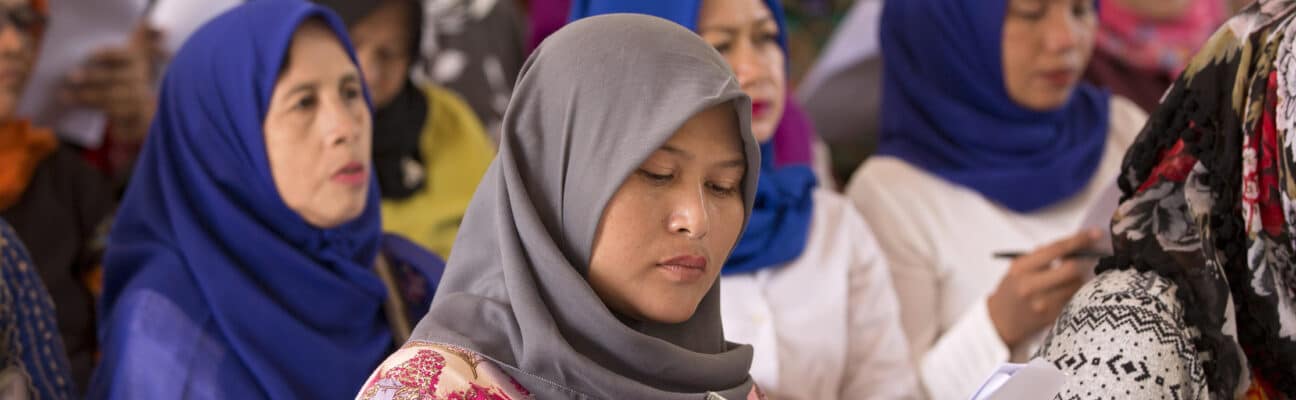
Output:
(733, 163)
(350, 77)
(732, 30)
(301, 87)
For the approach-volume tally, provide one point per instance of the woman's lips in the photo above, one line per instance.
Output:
(759, 108)
(684, 268)
(353, 173)
(1061, 77)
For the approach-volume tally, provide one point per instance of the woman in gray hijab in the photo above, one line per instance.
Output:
(586, 265)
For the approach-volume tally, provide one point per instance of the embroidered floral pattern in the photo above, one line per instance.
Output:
(428, 371)
(415, 379)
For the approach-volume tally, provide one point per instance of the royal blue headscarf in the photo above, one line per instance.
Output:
(945, 108)
(780, 221)
(203, 238)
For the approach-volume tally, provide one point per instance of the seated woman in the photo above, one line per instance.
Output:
(33, 364)
(989, 143)
(59, 206)
(1143, 45)
(807, 259)
(1198, 301)
(586, 267)
(244, 262)
(429, 150)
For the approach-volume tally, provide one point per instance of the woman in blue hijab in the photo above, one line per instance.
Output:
(806, 261)
(989, 144)
(245, 261)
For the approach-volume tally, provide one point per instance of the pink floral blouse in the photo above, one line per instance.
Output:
(426, 371)
(435, 371)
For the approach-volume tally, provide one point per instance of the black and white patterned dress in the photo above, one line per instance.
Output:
(1124, 337)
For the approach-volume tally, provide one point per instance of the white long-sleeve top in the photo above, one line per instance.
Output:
(826, 325)
(939, 239)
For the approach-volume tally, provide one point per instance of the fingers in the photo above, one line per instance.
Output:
(1044, 256)
(1049, 304)
(108, 81)
(1067, 273)
(116, 100)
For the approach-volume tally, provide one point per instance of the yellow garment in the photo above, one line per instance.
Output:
(457, 153)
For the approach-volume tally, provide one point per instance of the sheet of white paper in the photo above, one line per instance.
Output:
(1100, 214)
(77, 28)
(177, 19)
(1037, 380)
(856, 39)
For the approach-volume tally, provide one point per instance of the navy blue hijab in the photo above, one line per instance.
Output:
(780, 220)
(945, 108)
(212, 284)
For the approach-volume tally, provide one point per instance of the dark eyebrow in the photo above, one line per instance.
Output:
(734, 163)
(302, 87)
(671, 149)
(733, 31)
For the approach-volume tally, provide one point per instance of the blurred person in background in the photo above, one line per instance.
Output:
(33, 363)
(842, 93)
(429, 150)
(990, 142)
(474, 48)
(1143, 45)
(59, 206)
(248, 260)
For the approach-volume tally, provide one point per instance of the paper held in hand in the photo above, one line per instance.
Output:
(1037, 380)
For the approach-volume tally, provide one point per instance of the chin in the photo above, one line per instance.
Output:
(671, 309)
(1050, 103)
(674, 316)
(352, 211)
(763, 131)
(338, 216)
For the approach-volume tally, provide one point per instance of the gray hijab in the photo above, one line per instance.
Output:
(591, 104)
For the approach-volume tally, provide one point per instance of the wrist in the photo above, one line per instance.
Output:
(1009, 336)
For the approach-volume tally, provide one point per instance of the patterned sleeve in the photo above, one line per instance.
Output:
(426, 371)
(1123, 336)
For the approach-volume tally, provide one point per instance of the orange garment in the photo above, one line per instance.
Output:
(22, 148)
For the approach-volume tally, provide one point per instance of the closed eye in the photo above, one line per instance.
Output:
(656, 178)
(722, 190)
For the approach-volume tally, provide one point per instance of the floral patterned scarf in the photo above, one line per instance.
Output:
(1207, 201)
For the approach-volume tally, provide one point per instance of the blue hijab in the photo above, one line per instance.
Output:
(780, 220)
(212, 284)
(945, 108)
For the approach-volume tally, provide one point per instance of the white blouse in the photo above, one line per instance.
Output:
(826, 325)
(939, 239)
